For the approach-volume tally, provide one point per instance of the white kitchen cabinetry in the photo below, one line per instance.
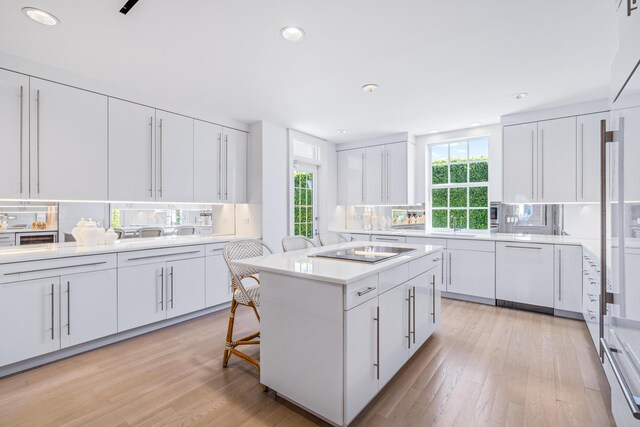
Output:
(524, 273)
(375, 175)
(218, 283)
(519, 163)
(132, 151)
(7, 239)
(588, 149)
(29, 319)
(357, 237)
(68, 143)
(471, 268)
(351, 177)
(557, 165)
(141, 298)
(400, 174)
(14, 134)
(88, 306)
(568, 278)
(424, 307)
(388, 238)
(394, 330)
(174, 136)
(234, 166)
(185, 287)
(207, 162)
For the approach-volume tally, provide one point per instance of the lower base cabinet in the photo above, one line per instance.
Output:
(568, 278)
(471, 273)
(218, 283)
(525, 273)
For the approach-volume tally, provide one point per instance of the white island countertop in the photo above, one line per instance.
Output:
(65, 250)
(304, 264)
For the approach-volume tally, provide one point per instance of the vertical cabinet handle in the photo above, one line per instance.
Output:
(52, 312)
(38, 141)
(414, 314)
(533, 143)
(226, 167)
(582, 160)
(21, 136)
(171, 286)
(362, 176)
(433, 313)
(151, 155)
(387, 175)
(68, 308)
(559, 274)
(220, 166)
(377, 364)
(382, 191)
(409, 319)
(542, 159)
(449, 268)
(162, 289)
(161, 158)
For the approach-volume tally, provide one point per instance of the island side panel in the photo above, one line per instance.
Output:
(301, 342)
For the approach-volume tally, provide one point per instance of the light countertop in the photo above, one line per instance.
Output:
(29, 230)
(64, 250)
(302, 263)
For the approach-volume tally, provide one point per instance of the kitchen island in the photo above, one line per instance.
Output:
(334, 332)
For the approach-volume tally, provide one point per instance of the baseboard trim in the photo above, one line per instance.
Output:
(523, 306)
(469, 298)
(102, 342)
(568, 314)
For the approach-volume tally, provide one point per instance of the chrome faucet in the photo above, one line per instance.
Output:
(455, 223)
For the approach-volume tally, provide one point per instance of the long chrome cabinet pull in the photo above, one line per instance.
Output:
(52, 311)
(226, 167)
(38, 141)
(21, 135)
(626, 391)
(68, 308)
(362, 176)
(524, 247)
(414, 314)
(171, 286)
(409, 318)
(55, 268)
(542, 158)
(163, 255)
(559, 274)
(433, 314)
(382, 192)
(449, 268)
(582, 160)
(387, 239)
(387, 175)
(220, 166)
(162, 289)
(442, 270)
(161, 159)
(151, 154)
(377, 364)
(366, 291)
(532, 164)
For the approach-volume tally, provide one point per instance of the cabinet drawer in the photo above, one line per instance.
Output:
(393, 277)
(471, 245)
(388, 239)
(433, 241)
(16, 272)
(425, 263)
(128, 259)
(215, 248)
(358, 292)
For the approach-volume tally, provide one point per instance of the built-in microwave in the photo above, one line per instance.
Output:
(37, 238)
(494, 216)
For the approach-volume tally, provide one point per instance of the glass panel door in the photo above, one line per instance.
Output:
(305, 200)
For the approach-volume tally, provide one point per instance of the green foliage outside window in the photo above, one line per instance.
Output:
(478, 219)
(479, 172)
(440, 174)
(439, 198)
(478, 197)
(459, 173)
(115, 218)
(440, 218)
(461, 217)
(458, 197)
(303, 204)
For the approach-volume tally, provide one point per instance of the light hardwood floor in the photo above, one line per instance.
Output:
(485, 366)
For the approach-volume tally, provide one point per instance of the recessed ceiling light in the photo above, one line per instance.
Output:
(519, 95)
(370, 87)
(292, 34)
(342, 131)
(474, 124)
(434, 131)
(40, 16)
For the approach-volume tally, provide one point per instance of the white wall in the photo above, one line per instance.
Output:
(582, 220)
(494, 132)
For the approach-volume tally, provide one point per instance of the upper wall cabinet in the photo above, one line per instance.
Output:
(557, 160)
(174, 135)
(234, 166)
(14, 134)
(519, 163)
(131, 151)
(377, 175)
(207, 162)
(68, 142)
(588, 163)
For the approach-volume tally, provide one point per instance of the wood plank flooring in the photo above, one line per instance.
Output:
(486, 366)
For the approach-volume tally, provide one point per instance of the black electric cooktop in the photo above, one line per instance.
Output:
(369, 254)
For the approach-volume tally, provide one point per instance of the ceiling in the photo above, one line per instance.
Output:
(440, 64)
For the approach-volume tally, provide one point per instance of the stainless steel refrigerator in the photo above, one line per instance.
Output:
(620, 251)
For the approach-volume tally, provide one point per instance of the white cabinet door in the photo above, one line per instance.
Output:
(88, 306)
(235, 166)
(218, 282)
(175, 157)
(519, 163)
(396, 184)
(557, 160)
(185, 286)
(373, 174)
(588, 150)
(394, 331)
(351, 177)
(471, 273)
(361, 343)
(141, 295)
(29, 319)
(68, 142)
(207, 158)
(131, 151)
(358, 237)
(568, 278)
(14, 134)
(524, 273)
(631, 117)
(422, 325)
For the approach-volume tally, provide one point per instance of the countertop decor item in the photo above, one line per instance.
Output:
(87, 233)
(110, 237)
